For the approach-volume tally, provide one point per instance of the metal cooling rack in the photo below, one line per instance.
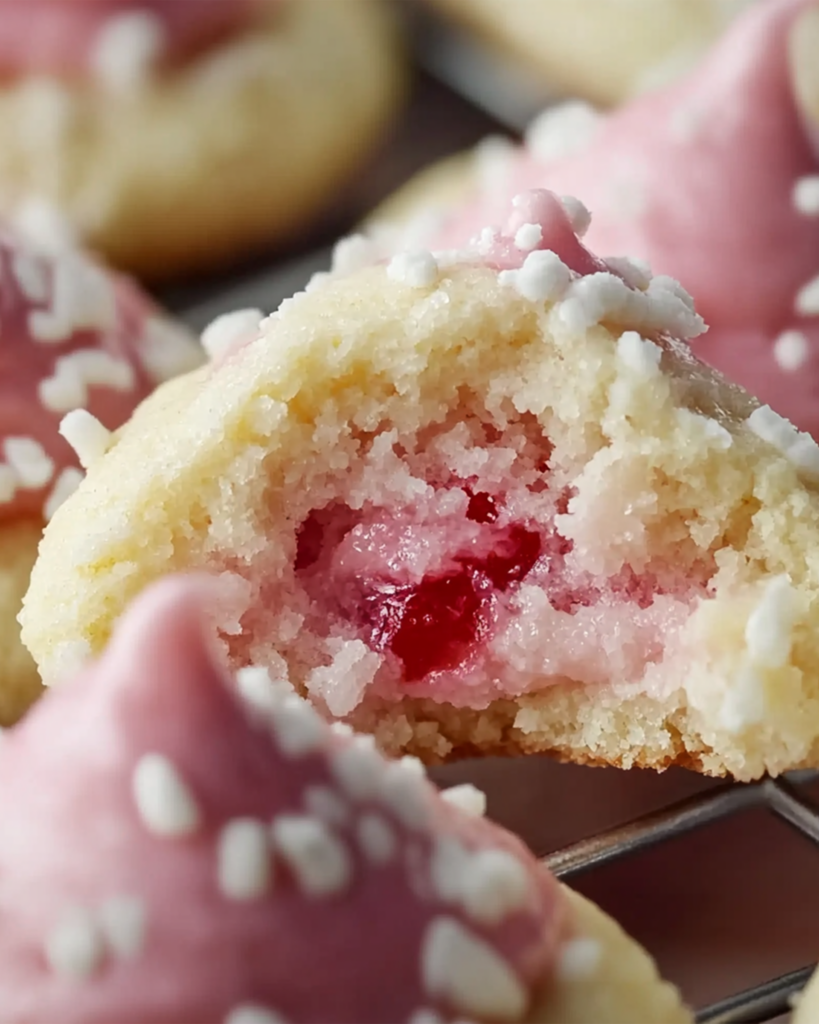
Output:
(500, 90)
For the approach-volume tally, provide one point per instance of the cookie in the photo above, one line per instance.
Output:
(173, 157)
(74, 337)
(164, 818)
(703, 181)
(480, 501)
(603, 51)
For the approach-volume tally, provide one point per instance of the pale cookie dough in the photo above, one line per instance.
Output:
(475, 502)
(237, 149)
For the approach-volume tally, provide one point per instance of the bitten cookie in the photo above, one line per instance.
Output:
(179, 850)
(175, 136)
(72, 337)
(603, 51)
(704, 181)
(484, 501)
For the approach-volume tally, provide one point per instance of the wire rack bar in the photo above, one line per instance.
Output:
(756, 1005)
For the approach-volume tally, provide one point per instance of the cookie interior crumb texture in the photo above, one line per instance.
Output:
(472, 511)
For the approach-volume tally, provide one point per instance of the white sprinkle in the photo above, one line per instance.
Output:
(354, 253)
(446, 867)
(806, 195)
(461, 968)
(243, 858)
(791, 351)
(319, 860)
(807, 298)
(799, 448)
(30, 273)
(122, 920)
(544, 277)
(299, 728)
(405, 791)
(493, 158)
(82, 298)
(74, 374)
(640, 355)
(74, 947)
(770, 625)
(165, 804)
(67, 482)
(167, 349)
(230, 328)
(41, 223)
(485, 240)
(744, 702)
(342, 729)
(357, 768)
(494, 885)
(528, 236)
(86, 435)
(127, 49)
(324, 803)
(343, 683)
(579, 959)
(259, 691)
(635, 272)
(253, 1014)
(8, 484)
(578, 214)
(466, 798)
(376, 838)
(33, 467)
(562, 131)
(417, 269)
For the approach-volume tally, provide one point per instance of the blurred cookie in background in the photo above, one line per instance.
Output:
(176, 136)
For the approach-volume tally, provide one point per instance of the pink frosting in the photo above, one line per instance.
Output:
(73, 336)
(699, 180)
(74, 839)
(58, 36)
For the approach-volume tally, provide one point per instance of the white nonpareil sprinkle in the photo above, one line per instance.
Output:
(342, 729)
(528, 236)
(82, 297)
(354, 253)
(298, 727)
(635, 272)
(544, 277)
(579, 216)
(493, 158)
(164, 802)
(446, 868)
(74, 947)
(123, 921)
(33, 467)
(494, 885)
(357, 768)
(807, 298)
(74, 374)
(318, 859)
(253, 1014)
(806, 195)
(768, 631)
(86, 435)
(243, 859)
(467, 972)
(67, 482)
(230, 328)
(791, 351)
(417, 269)
(466, 798)
(640, 355)
(324, 803)
(744, 701)
(579, 959)
(377, 838)
(38, 221)
(168, 349)
(259, 691)
(29, 271)
(562, 131)
(405, 791)
(799, 448)
(8, 484)
(127, 49)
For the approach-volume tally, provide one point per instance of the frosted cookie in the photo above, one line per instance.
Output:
(480, 501)
(806, 1005)
(175, 136)
(603, 51)
(72, 337)
(704, 181)
(179, 849)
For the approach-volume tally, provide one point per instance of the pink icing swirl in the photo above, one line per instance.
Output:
(58, 36)
(700, 180)
(72, 335)
(355, 946)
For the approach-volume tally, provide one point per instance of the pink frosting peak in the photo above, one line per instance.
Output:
(173, 852)
(60, 36)
(713, 182)
(73, 336)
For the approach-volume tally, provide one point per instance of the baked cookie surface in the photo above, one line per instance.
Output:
(485, 501)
